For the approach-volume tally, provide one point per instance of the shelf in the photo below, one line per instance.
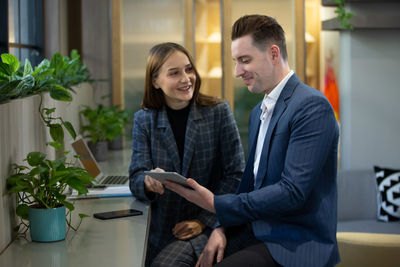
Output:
(370, 22)
(332, 2)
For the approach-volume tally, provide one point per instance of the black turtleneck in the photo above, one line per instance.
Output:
(178, 120)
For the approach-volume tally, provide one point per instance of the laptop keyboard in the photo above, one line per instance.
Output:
(115, 179)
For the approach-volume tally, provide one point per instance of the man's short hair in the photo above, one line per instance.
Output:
(264, 30)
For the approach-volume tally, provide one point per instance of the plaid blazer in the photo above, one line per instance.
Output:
(213, 156)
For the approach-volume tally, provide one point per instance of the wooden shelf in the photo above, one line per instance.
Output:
(370, 22)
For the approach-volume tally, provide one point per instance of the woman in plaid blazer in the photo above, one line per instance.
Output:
(179, 129)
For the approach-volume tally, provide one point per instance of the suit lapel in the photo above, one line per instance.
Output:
(280, 107)
(190, 138)
(168, 139)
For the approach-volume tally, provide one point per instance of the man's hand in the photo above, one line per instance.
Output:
(216, 244)
(152, 185)
(200, 195)
(188, 229)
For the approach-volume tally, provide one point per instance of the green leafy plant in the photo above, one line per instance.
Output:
(103, 123)
(54, 76)
(19, 82)
(121, 118)
(69, 71)
(343, 15)
(43, 182)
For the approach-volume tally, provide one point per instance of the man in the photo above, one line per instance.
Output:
(284, 212)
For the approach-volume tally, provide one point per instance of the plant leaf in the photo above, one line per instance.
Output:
(27, 68)
(58, 92)
(68, 205)
(11, 89)
(57, 133)
(12, 61)
(5, 69)
(35, 158)
(48, 111)
(56, 145)
(57, 62)
(23, 211)
(70, 129)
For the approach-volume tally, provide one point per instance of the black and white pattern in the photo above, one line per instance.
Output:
(388, 181)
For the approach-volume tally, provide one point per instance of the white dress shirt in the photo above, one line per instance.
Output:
(267, 107)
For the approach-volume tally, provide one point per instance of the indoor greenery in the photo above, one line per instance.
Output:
(69, 71)
(43, 182)
(104, 123)
(343, 15)
(53, 76)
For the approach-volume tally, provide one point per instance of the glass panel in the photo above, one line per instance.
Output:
(16, 52)
(208, 46)
(31, 22)
(32, 54)
(144, 24)
(282, 11)
(13, 24)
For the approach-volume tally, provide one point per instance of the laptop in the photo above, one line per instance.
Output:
(88, 162)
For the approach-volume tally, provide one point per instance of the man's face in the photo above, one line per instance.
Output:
(254, 66)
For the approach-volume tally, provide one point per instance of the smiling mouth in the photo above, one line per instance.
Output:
(246, 80)
(186, 88)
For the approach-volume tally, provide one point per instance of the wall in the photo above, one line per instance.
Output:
(96, 46)
(22, 131)
(370, 93)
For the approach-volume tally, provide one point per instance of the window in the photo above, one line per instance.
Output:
(25, 30)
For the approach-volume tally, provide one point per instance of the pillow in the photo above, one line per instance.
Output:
(388, 181)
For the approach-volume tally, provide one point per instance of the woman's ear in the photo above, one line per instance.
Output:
(155, 85)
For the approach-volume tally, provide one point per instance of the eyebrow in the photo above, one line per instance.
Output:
(241, 57)
(172, 69)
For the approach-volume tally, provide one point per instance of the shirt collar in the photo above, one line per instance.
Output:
(270, 99)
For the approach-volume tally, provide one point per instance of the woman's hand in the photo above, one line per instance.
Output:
(188, 229)
(152, 185)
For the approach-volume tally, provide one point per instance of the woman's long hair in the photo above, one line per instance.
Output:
(154, 98)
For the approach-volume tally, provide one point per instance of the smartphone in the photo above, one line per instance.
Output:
(117, 214)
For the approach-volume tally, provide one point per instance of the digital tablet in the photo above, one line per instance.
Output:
(171, 176)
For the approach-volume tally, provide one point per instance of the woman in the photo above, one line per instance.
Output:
(179, 129)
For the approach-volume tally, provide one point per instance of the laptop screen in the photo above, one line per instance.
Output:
(86, 158)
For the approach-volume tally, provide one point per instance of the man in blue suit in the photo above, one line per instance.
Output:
(284, 212)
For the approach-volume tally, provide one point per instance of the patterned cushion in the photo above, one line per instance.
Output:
(388, 181)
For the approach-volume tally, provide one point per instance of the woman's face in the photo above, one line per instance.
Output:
(176, 79)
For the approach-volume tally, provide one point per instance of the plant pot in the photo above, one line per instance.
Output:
(47, 225)
(99, 150)
(116, 144)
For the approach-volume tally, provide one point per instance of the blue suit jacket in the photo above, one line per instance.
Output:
(213, 156)
(293, 207)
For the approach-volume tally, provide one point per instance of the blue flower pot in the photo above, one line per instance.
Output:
(47, 225)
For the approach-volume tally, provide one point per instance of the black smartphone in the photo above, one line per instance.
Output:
(117, 214)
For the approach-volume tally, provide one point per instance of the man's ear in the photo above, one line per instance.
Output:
(275, 52)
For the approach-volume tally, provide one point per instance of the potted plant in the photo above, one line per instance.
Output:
(41, 187)
(100, 125)
(121, 117)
